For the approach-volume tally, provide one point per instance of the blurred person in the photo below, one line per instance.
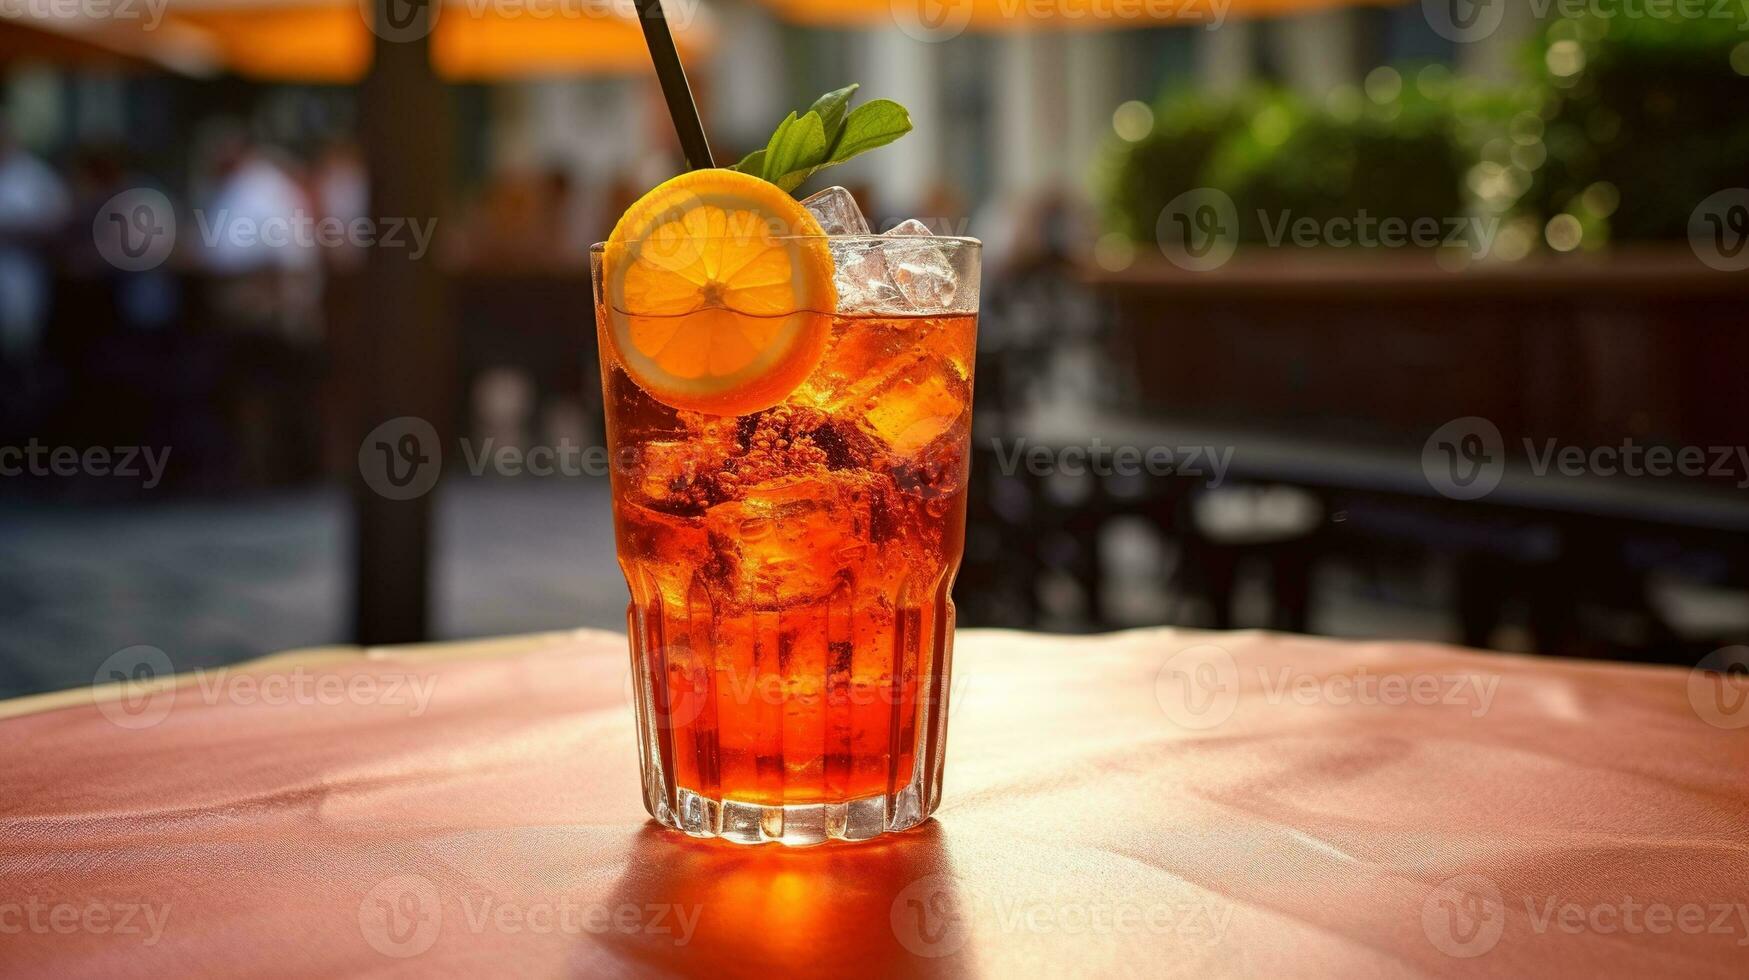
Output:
(142, 300)
(1048, 230)
(253, 237)
(526, 220)
(250, 196)
(1043, 343)
(563, 235)
(340, 188)
(33, 208)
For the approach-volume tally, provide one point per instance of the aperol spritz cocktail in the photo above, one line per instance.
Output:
(790, 550)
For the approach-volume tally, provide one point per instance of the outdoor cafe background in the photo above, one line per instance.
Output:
(1504, 239)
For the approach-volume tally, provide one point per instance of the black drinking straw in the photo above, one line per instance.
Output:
(674, 88)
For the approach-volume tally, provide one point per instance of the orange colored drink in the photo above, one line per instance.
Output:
(790, 567)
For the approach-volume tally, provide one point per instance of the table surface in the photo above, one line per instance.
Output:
(1151, 803)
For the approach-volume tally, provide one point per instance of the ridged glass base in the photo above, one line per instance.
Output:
(794, 825)
(792, 737)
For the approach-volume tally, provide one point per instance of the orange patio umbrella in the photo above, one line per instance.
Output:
(62, 35)
(473, 40)
(952, 16)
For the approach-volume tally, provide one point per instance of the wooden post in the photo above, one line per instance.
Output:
(406, 348)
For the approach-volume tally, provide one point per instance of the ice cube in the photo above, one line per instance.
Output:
(836, 210)
(790, 540)
(913, 401)
(860, 275)
(677, 476)
(920, 271)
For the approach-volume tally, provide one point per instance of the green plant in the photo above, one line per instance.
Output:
(1390, 154)
(1644, 118)
(1141, 178)
(1623, 124)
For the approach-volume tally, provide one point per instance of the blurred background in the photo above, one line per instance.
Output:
(1410, 320)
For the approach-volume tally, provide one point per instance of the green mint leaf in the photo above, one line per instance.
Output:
(797, 145)
(870, 125)
(797, 178)
(831, 108)
(829, 132)
(752, 164)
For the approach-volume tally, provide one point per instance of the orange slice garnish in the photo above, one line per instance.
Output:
(718, 293)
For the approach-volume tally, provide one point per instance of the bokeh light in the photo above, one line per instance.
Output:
(1114, 252)
(1564, 233)
(1384, 84)
(1601, 199)
(1133, 121)
(1565, 59)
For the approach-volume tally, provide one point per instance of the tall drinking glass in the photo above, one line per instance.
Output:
(790, 622)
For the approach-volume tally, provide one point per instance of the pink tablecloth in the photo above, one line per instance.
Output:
(1155, 803)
